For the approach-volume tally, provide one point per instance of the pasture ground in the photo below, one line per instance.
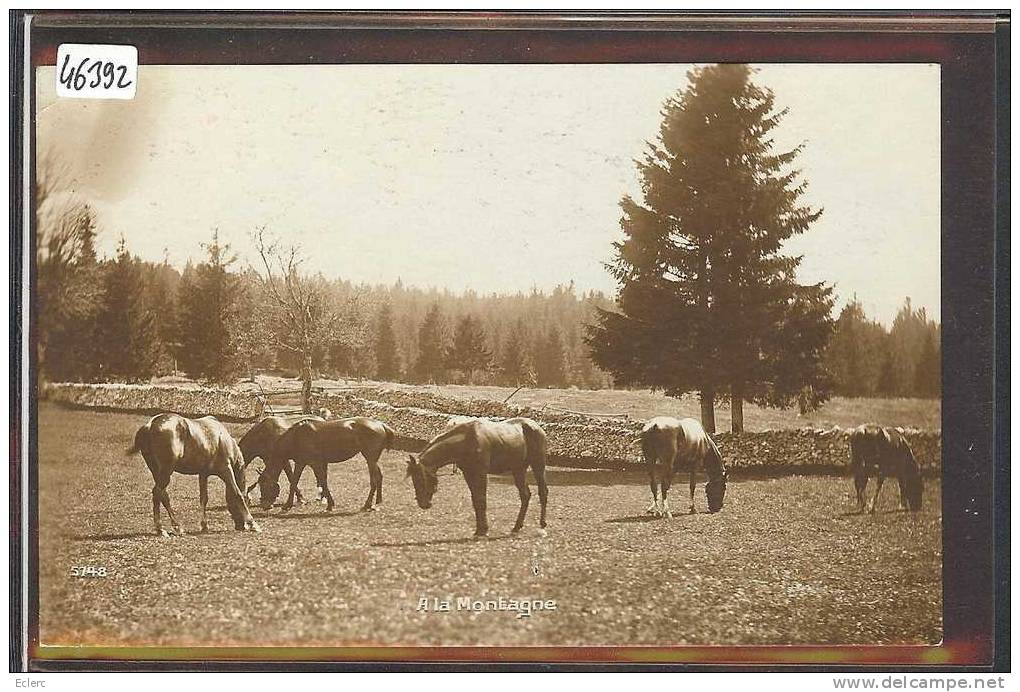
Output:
(786, 561)
(642, 404)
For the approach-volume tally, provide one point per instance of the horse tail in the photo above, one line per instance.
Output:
(535, 439)
(647, 448)
(141, 443)
(391, 436)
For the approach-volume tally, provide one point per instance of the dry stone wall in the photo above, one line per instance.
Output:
(574, 439)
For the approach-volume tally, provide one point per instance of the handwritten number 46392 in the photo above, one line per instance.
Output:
(94, 75)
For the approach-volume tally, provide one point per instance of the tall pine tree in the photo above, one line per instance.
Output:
(387, 359)
(514, 366)
(126, 335)
(469, 352)
(550, 360)
(431, 347)
(707, 301)
(206, 307)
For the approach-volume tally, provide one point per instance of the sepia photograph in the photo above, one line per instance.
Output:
(480, 354)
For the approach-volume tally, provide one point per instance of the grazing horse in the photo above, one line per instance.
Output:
(261, 438)
(885, 451)
(668, 444)
(318, 443)
(170, 443)
(478, 448)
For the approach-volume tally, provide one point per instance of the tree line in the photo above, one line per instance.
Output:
(124, 319)
(707, 301)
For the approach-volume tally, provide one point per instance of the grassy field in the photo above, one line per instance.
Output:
(643, 404)
(785, 561)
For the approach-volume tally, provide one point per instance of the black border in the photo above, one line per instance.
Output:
(975, 250)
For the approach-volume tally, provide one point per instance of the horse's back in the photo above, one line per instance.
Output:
(877, 446)
(658, 439)
(694, 438)
(187, 445)
(507, 444)
(534, 439)
(336, 439)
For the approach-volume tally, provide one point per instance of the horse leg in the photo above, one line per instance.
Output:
(478, 484)
(693, 482)
(860, 485)
(376, 474)
(521, 480)
(289, 468)
(901, 480)
(665, 503)
(320, 471)
(653, 508)
(164, 498)
(543, 491)
(878, 489)
(203, 497)
(156, 499)
(299, 467)
(374, 482)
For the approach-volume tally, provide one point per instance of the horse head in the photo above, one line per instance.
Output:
(269, 485)
(715, 490)
(912, 483)
(424, 480)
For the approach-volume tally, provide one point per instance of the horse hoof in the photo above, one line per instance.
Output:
(178, 531)
(205, 529)
(255, 528)
(667, 515)
(515, 529)
(542, 532)
(164, 533)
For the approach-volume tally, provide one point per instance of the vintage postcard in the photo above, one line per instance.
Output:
(336, 357)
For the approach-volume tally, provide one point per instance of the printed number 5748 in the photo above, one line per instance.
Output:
(88, 571)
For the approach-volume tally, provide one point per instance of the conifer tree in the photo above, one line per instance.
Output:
(206, 309)
(514, 366)
(550, 363)
(707, 301)
(431, 347)
(387, 359)
(126, 336)
(469, 352)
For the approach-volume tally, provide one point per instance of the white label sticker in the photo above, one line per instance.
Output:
(94, 71)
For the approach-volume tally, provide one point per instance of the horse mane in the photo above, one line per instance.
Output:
(714, 465)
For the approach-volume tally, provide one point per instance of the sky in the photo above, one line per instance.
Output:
(485, 177)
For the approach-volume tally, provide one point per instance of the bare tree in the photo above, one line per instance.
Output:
(305, 317)
(68, 287)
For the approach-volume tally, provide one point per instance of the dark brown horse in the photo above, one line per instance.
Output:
(197, 447)
(318, 443)
(260, 440)
(885, 452)
(478, 448)
(668, 444)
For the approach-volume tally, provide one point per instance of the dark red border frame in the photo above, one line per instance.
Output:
(974, 254)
